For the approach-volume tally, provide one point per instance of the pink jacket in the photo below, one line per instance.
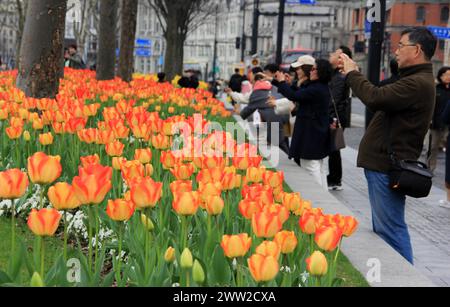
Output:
(262, 85)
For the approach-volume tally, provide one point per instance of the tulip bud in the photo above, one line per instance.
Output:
(317, 264)
(147, 222)
(186, 261)
(36, 281)
(26, 136)
(169, 256)
(197, 273)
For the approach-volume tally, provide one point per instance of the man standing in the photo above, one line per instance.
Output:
(75, 59)
(405, 106)
(341, 95)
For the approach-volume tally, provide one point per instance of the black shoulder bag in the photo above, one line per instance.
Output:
(410, 178)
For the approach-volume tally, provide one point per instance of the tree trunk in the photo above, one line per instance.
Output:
(173, 62)
(106, 54)
(127, 39)
(41, 61)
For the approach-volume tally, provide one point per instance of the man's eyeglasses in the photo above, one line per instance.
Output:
(401, 46)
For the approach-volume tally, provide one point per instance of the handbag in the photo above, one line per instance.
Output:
(337, 135)
(410, 178)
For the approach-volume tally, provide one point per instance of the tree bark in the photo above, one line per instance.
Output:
(41, 61)
(127, 40)
(173, 62)
(106, 54)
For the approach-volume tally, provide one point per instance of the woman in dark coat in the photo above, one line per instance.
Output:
(446, 121)
(438, 127)
(311, 142)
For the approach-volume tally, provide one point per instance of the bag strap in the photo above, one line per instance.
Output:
(335, 108)
(388, 138)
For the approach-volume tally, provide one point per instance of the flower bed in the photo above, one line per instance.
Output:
(147, 191)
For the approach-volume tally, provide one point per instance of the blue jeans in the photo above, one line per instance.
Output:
(388, 214)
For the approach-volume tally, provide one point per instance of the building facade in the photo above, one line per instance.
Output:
(402, 15)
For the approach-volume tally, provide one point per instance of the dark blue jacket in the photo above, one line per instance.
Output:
(312, 138)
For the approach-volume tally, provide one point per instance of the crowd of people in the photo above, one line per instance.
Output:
(407, 107)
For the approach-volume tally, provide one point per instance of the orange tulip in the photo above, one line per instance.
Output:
(273, 179)
(132, 170)
(287, 241)
(328, 237)
(209, 189)
(263, 268)
(62, 197)
(160, 141)
(207, 175)
(75, 124)
(44, 169)
(14, 133)
(118, 162)
(143, 155)
(44, 223)
(105, 137)
(46, 139)
(89, 160)
(168, 159)
(88, 136)
(186, 203)
(114, 149)
(148, 170)
(93, 184)
(269, 248)
(214, 205)
(282, 212)
(120, 210)
(146, 193)
(181, 186)
(38, 124)
(255, 174)
(317, 264)
(182, 171)
(351, 225)
(266, 225)
(236, 246)
(249, 207)
(304, 206)
(308, 222)
(13, 184)
(292, 201)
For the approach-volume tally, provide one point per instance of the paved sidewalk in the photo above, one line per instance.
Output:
(429, 224)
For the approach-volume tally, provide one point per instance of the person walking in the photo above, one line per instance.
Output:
(341, 94)
(446, 120)
(311, 141)
(394, 74)
(438, 129)
(406, 107)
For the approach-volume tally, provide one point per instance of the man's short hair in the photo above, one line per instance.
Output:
(423, 37)
(237, 70)
(346, 51)
(256, 70)
(273, 68)
(73, 46)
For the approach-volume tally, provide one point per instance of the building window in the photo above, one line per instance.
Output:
(445, 14)
(420, 14)
(357, 16)
(441, 44)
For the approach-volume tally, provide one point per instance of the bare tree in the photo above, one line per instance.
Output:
(81, 26)
(106, 54)
(127, 38)
(41, 56)
(12, 14)
(177, 19)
